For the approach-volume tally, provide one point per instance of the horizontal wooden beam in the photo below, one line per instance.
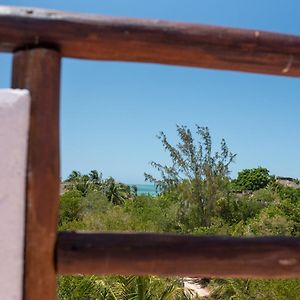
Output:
(153, 41)
(178, 255)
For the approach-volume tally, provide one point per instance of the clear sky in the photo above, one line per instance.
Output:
(111, 111)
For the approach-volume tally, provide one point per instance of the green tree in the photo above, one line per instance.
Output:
(204, 173)
(116, 192)
(252, 179)
(84, 183)
(95, 177)
(73, 176)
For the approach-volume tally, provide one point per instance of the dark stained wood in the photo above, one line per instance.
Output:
(38, 70)
(154, 41)
(157, 254)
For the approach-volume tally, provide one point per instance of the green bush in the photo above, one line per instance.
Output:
(70, 207)
(292, 211)
(270, 221)
(239, 208)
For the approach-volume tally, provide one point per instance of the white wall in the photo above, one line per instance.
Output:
(14, 120)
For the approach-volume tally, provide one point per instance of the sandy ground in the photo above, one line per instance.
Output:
(194, 287)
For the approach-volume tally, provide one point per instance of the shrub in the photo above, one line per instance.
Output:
(271, 221)
(70, 207)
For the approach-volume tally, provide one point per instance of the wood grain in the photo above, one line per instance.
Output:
(152, 41)
(38, 70)
(171, 255)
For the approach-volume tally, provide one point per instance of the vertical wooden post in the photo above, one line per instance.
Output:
(38, 70)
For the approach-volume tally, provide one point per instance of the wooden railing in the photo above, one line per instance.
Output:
(39, 39)
(104, 38)
(184, 255)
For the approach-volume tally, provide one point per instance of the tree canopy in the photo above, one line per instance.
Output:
(252, 179)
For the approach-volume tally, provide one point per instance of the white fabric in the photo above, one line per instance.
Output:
(14, 123)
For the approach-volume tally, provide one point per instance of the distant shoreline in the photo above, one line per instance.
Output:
(145, 189)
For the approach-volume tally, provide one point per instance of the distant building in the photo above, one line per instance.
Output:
(288, 181)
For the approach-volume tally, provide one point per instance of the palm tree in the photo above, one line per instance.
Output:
(74, 176)
(116, 193)
(84, 183)
(95, 177)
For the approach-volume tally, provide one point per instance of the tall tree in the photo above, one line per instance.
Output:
(203, 173)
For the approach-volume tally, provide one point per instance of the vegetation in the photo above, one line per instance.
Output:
(197, 175)
(196, 196)
(120, 287)
(252, 179)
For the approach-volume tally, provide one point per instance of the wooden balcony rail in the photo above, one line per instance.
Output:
(39, 39)
(163, 254)
(122, 39)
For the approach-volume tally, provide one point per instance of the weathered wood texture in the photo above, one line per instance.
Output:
(38, 70)
(106, 38)
(140, 254)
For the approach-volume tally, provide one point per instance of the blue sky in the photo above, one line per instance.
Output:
(112, 111)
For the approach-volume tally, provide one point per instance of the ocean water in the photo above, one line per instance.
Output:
(146, 189)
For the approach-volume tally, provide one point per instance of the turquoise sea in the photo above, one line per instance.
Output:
(146, 189)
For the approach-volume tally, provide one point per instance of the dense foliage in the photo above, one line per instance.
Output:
(254, 204)
(252, 179)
